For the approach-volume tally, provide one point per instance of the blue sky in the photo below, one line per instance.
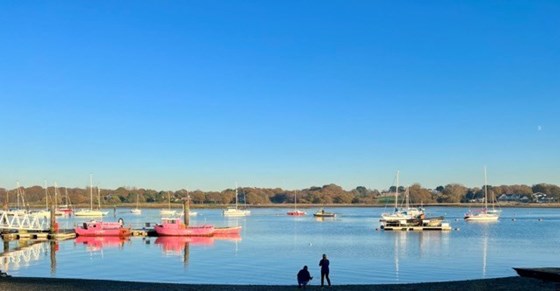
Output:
(291, 94)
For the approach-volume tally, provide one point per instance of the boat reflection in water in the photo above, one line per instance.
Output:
(409, 245)
(175, 244)
(97, 243)
(180, 245)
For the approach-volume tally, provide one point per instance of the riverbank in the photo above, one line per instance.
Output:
(32, 284)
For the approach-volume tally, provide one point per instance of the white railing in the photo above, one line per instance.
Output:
(11, 220)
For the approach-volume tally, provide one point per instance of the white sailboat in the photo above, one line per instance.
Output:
(296, 212)
(20, 209)
(403, 213)
(168, 212)
(92, 212)
(136, 211)
(65, 209)
(484, 214)
(235, 211)
(44, 213)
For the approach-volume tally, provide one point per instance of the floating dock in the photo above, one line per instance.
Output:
(442, 227)
(39, 235)
(416, 224)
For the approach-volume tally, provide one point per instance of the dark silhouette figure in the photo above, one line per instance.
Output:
(324, 263)
(303, 277)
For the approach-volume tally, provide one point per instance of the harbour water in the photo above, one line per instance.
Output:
(274, 246)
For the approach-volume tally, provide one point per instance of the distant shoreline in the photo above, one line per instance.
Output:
(307, 206)
(40, 284)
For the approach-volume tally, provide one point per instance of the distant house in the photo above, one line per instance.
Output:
(542, 198)
(513, 198)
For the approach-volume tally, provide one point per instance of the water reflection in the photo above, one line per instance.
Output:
(412, 247)
(97, 243)
(21, 256)
(53, 249)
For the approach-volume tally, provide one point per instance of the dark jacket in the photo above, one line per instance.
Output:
(303, 275)
(324, 263)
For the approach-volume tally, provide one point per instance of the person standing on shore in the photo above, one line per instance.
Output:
(324, 263)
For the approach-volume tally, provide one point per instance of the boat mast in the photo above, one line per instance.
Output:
(18, 195)
(236, 195)
(485, 190)
(169, 200)
(55, 195)
(295, 200)
(46, 195)
(90, 192)
(98, 198)
(66, 192)
(397, 192)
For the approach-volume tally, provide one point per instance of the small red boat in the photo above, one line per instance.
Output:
(296, 213)
(174, 227)
(101, 228)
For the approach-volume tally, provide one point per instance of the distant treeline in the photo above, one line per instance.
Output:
(327, 194)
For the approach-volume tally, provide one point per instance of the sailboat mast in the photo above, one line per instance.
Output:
(485, 190)
(295, 200)
(236, 195)
(17, 196)
(397, 192)
(46, 195)
(90, 192)
(98, 198)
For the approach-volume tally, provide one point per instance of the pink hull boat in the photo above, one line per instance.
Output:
(100, 228)
(227, 230)
(174, 227)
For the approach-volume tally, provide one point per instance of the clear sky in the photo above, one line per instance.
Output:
(292, 94)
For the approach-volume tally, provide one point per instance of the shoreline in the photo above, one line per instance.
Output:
(33, 283)
(308, 206)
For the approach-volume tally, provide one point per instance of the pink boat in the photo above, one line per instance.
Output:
(227, 230)
(100, 228)
(174, 227)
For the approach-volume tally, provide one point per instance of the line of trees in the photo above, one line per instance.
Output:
(327, 194)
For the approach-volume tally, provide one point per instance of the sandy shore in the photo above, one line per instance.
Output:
(30, 284)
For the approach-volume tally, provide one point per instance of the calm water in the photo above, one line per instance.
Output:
(274, 246)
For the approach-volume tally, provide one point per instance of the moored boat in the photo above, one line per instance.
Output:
(416, 224)
(235, 211)
(484, 214)
(174, 227)
(546, 274)
(92, 212)
(102, 228)
(323, 213)
(227, 230)
(296, 212)
(406, 212)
